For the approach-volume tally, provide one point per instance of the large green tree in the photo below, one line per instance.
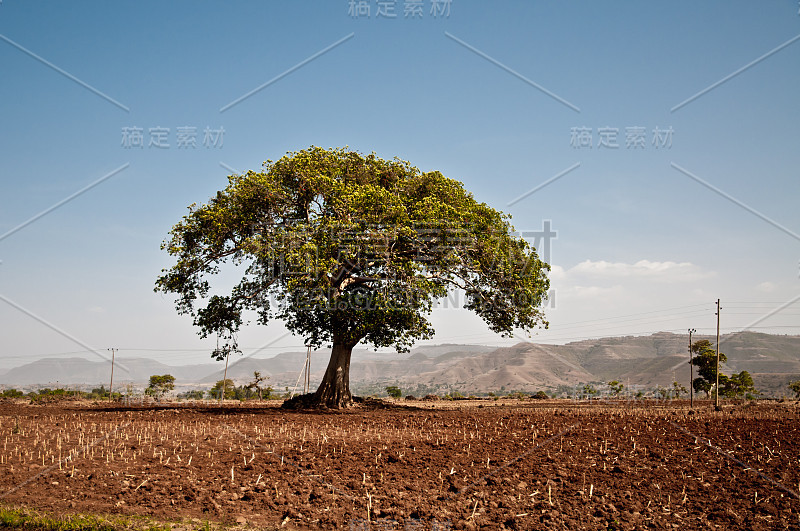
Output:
(345, 248)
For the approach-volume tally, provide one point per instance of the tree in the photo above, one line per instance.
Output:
(589, 390)
(706, 363)
(160, 385)
(738, 385)
(99, 392)
(256, 384)
(345, 248)
(230, 391)
(795, 388)
(616, 387)
(394, 391)
(678, 390)
(194, 394)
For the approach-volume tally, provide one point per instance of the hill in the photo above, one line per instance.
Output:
(636, 361)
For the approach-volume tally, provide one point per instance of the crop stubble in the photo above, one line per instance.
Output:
(519, 465)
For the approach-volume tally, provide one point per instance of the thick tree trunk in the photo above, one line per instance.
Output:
(334, 391)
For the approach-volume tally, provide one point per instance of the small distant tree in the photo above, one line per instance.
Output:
(706, 363)
(540, 395)
(589, 390)
(160, 385)
(256, 384)
(678, 390)
(738, 385)
(194, 394)
(795, 388)
(99, 392)
(394, 391)
(230, 391)
(616, 387)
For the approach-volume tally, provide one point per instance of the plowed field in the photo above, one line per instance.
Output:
(518, 465)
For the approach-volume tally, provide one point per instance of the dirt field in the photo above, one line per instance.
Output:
(520, 465)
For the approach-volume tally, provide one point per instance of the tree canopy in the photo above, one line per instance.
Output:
(706, 363)
(160, 385)
(794, 387)
(735, 386)
(345, 248)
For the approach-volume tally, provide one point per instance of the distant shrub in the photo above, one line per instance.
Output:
(431, 397)
(12, 393)
(195, 394)
(540, 395)
(394, 391)
(411, 397)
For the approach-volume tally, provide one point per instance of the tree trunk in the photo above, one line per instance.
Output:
(334, 391)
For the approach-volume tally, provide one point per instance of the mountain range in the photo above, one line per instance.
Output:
(643, 362)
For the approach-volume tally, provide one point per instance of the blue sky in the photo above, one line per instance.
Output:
(702, 205)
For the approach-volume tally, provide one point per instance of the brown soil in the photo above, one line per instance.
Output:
(518, 465)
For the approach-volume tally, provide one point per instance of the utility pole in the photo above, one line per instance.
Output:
(111, 384)
(691, 370)
(307, 379)
(224, 378)
(716, 386)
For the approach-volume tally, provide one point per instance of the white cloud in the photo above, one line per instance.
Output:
(656, 271)
(592, 292)
(766, 287)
